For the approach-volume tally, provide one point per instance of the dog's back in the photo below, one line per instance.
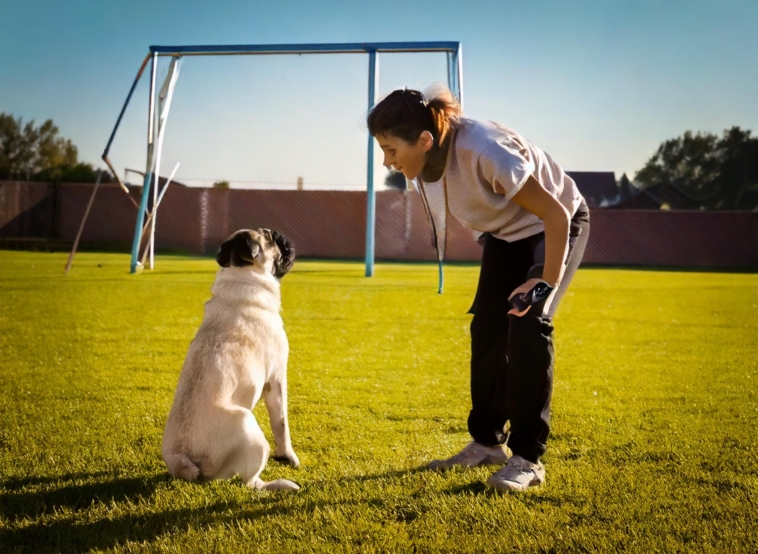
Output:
(226, 366)
(239, 354)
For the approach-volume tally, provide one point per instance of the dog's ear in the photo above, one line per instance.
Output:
(224, 254)
(238, 250)
(284, 261)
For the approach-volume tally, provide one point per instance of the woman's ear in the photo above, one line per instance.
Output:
(427, 140)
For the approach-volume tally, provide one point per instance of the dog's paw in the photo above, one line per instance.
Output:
(289, 459)
(276, 485)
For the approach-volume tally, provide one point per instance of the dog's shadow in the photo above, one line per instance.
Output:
(21, 499)
(76, 492)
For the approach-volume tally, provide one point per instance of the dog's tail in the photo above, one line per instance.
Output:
(181, 467)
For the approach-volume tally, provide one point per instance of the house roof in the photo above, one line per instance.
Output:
(651, 198)
(598, 187)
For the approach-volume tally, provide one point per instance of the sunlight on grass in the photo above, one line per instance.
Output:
(654, 414)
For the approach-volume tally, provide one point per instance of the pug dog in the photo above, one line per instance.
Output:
(238, 355)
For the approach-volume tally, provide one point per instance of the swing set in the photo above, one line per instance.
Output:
(158, 114)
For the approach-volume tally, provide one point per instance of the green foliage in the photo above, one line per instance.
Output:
(654, 415)
(29, 152)
(717, 173)
(221, 185)
(77, 173)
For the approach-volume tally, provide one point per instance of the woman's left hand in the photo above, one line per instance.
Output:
(523, 289)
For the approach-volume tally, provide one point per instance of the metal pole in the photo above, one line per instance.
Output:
(450, 57)
(164, 105)
(151, 239)
(155, 207)
(452, 74)
(118, 122)
(84, 220)
(371, 195)
(459, 56)
(135, 265)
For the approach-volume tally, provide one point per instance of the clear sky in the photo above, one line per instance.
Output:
(598, 84)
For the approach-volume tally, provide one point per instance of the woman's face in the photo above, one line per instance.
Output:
(403, 156)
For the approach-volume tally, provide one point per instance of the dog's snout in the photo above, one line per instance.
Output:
(246, 248)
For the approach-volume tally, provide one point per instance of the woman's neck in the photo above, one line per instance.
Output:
(436, 159)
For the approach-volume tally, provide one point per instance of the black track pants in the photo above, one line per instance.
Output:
(512, 357)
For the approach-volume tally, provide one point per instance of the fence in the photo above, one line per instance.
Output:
(332, 224)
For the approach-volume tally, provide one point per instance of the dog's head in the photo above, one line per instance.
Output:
(261, 248)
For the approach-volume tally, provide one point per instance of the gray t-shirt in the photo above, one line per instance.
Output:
(487, 165)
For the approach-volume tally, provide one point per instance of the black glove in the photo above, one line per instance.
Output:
(537, 294)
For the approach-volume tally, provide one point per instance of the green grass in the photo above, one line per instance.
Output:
(654, 415)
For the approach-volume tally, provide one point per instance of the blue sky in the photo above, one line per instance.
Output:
(598, 84)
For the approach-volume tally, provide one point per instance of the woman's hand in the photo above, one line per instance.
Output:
(523, 290)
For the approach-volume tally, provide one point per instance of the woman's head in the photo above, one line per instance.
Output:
(410, 126)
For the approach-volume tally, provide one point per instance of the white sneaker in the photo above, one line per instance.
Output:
(473, 454)
(517, 475)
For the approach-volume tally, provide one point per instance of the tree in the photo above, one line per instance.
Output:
(221, 185)
(52, 150)
(14, 151)
(28, 152)
(690, 163)
(714, 173)
(77, 173)
(739, 169)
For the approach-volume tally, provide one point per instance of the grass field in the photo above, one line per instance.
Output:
(654, 415)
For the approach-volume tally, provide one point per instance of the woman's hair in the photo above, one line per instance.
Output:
(408, 113)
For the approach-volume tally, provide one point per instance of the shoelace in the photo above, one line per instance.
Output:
(522, 466)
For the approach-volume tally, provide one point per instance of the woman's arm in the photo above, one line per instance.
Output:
(534, 198)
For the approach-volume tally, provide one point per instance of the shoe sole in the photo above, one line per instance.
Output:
(512, 486)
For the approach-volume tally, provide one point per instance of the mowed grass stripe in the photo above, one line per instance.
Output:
(654, 414)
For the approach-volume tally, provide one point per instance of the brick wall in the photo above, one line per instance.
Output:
(331, 224)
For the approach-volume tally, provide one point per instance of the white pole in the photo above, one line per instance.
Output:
(136, 266)
(164, 105)
(170, 177)
(84, 219)
(154, 212)
(151, 242)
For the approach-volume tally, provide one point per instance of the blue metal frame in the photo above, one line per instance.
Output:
(373, 81)
(134, 266)
(342, 48)
(454, 76)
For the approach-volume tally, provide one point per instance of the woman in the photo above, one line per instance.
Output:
(535, 226)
